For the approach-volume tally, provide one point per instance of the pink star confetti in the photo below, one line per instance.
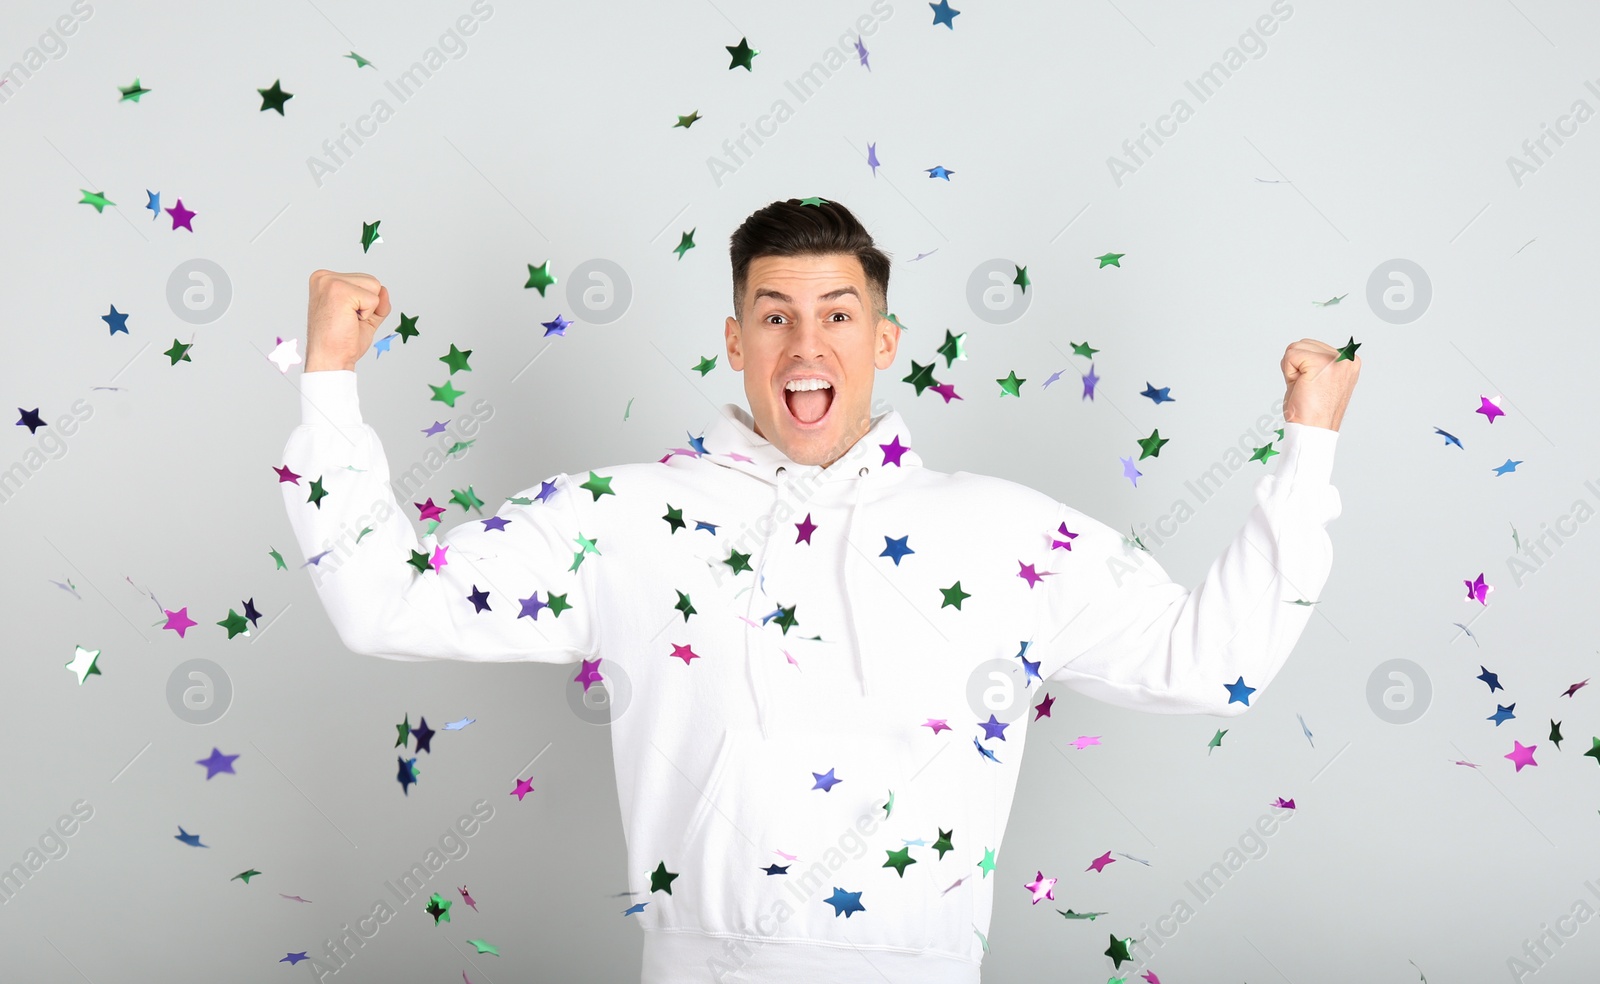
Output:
(179, 621)
(1042, 888)
(1521, 754)
(1478, 590)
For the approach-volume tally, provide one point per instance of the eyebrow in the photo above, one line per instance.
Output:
(785, 298)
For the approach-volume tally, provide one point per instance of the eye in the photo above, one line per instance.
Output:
(768, 318)
(841, 314)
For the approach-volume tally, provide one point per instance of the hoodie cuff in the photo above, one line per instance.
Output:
(328, 396)
(1307, 455)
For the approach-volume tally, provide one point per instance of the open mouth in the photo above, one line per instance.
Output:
(809, 408)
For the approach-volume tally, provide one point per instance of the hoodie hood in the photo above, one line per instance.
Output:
(877, 460)
(732, 442)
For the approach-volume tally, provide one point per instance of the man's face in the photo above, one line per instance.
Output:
(810, 316)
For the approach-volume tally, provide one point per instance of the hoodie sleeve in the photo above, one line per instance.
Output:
(380, 603)
(1118, 629)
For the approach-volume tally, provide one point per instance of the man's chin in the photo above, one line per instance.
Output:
(809, 445)
(807, 449)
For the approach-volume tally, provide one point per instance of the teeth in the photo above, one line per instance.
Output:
(795, 385)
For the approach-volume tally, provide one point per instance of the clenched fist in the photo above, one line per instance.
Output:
(1319, 383)
(344, 313)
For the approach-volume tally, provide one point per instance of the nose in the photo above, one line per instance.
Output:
(806, 341)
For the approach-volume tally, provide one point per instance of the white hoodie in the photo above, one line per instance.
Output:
(759, 728)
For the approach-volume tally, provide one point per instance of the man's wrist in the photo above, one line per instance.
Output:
(1326, 422)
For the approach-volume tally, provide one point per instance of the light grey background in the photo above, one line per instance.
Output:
(1387, 127)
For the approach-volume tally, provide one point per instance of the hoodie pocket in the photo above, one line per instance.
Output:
(762, 798)
(719, 851)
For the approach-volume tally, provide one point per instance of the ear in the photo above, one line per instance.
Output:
(730, 338)
(888, 343)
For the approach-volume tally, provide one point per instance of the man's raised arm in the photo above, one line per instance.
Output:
(1117, 628)
(511, 587)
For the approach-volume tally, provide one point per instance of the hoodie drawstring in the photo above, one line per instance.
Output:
(849, 589)
(757, 674)
(754, 667)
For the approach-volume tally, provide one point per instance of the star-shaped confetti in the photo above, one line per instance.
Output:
(217, 762)
(193, 840)
(1239, 692)
(181, 216)
(133, 92)
(179, 621)
(1521, 755)
(1041, 887)
(844, 903)
(899, 860)
(954, 348)
(1157, 396)
(540, 277)
(407, 774)
(1150, 447)
(661, 879)
(921, 376)
(895, 548)
(275, 97)
(95, 198)
(235, 624)
(953, 596)
(742, 55)
(1492, 679)
(1477, 590)
(285, 354)
(370, 236)
(423, 734)
(31, 420)
(456, 359)
(84, 663)
(944, 14)
(1118, 950)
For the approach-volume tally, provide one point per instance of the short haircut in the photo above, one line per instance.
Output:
(789, 228)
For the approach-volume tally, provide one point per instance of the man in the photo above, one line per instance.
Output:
(814, 768)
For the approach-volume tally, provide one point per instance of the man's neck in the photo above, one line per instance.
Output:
(846, 450)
